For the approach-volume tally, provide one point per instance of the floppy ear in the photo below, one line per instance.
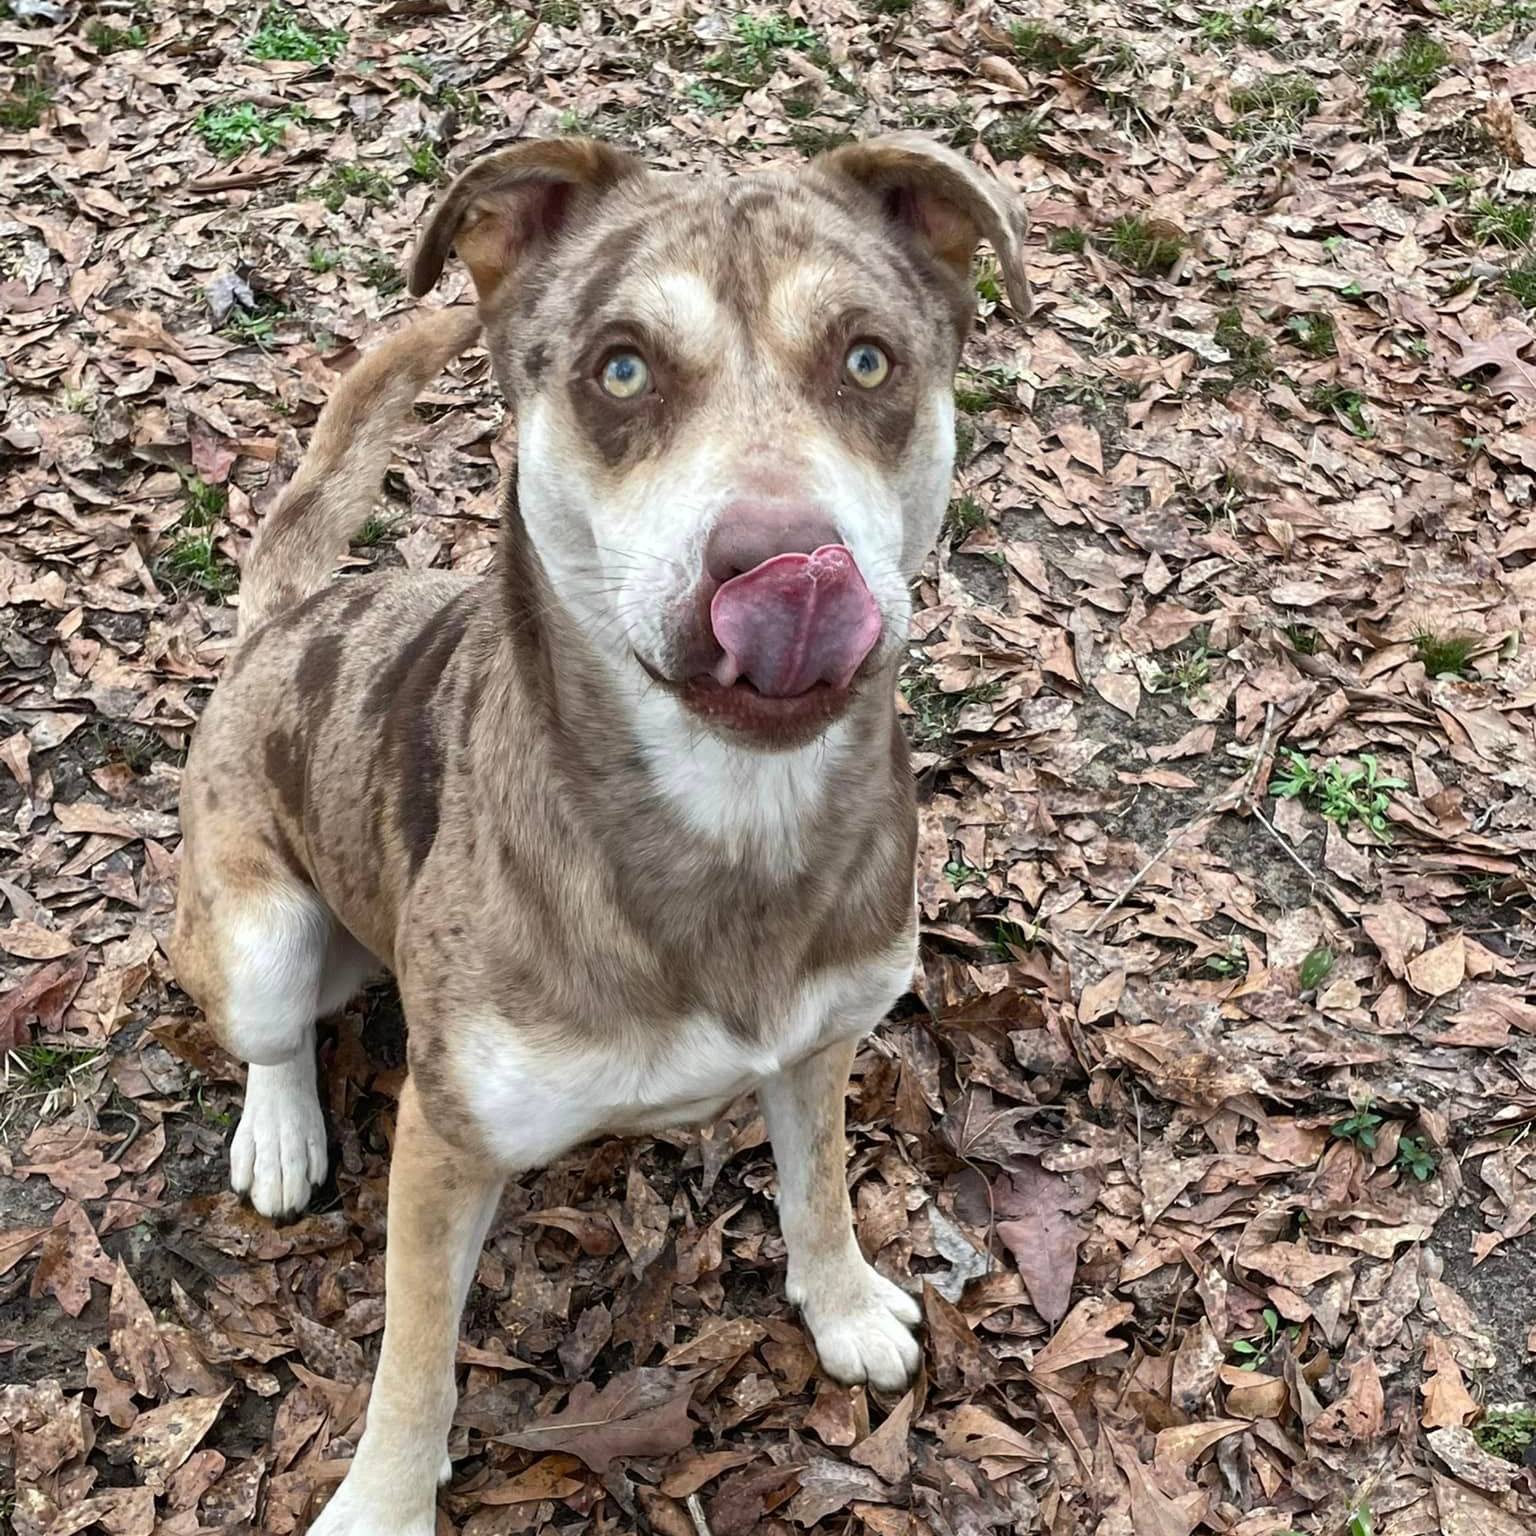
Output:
(942, 201)
(498, 210)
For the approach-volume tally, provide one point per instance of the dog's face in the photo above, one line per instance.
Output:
(735, 403)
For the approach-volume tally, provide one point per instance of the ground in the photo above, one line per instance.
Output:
(1205, 1127)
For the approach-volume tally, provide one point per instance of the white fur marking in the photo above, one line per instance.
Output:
(278, 1154)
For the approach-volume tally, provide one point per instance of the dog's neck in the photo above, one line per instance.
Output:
(629, 746)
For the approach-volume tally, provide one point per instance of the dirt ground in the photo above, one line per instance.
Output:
(1205, 1130)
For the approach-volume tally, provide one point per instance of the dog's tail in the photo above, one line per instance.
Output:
(301, 540)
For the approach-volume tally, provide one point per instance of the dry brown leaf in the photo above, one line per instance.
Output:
(1441, 969)
(1085, 1334)
(1447, 1403)
(642, 1412)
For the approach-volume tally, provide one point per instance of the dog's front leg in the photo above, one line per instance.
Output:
(441, 1202)
(859, 1320)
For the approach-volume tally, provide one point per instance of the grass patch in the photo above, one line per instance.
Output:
(193, 562)
(382, 273)
(1250, 354)
(1506, 223)
(1314, 335)
(1520, 280)
(281, 34)
(561, 14)
(1507, 1432)
(1253, 1351)
(1303, 639)
(205, 503)
(1039, 47)
(364, 181)
(1251, 25)
(22, 107)
(1343, 795)
(1485, 16)
(1230, 963)
(376, 531)
(1073, 241)
(47, 1068)
(1346, 406)
(936, 714)
(963, 517)
(1400, 81)
(1443, 655)
(1148, 247)
(107, 39)
(322, 259)
(756, 43)
(984, 388)
(1188, 672)
(1282, 102)
(424, 163)
(1014, 135)
(235, 127)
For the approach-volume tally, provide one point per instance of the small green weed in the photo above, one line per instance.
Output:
(1316, 968)
(194, 561)
(1252, 25)
(959, 873)
(205, 503)
(1485, 16)
(1360, 1128)
(282, 35)
(235, 127)
(1250, 354)
(107, 39)
(46, 1068)
(562, 14)
(706, 96)
(1014, 135)
(378, 530)
(424, 162)
(809, 140)
(322, 259)
(1443, 655)
(1314, 335)
(23, 106)
(1361, 1522)
(1279, 101)
(1230, 963)
(1344, 795)
(756, 44)
(1400, 81)
(965, 439)
(1507, 1432)
(1346, 405)
(382, 273)
(1304, 640)
(365, 181)
(1188, 672)
(1073, 241)
(1414, 1157)
(1253, 1351)
(1520, 280)
(962, 517)
(984, 388)
(1040, 48)
(258, 328)
(1147, 248)
(936, 714)
(1509, 223)
(1011, 940)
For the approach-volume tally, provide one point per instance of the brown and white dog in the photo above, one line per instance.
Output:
(630, 818)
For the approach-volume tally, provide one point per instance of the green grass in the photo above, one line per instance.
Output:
(364, 181)
(205, 503)
(257, 328)
(1074, 241)
(1507, 223)
(1147, 249)
(233, 128)
(707, 97)
(808, 139)
(1344, 795)
(1251, 25)
(382, 273)
(107, 39)
(193, 562)
(983, 388)
(1282, 102)
(322, 259)
(283, 35)
(1187, 672)
(1520, 280)
(1014, 135)
(563, 14)
(22, 107)
(962, 517)
(756, 44)
(1304, 640)
(1230, 963)
(936, 714)
(1038, 47)
(1314, 334)
(1485, 16)
(965, 439)
(1346, 406)
(378, 530)
(45, 1068)
(1250, 354)
(1443, 655)
(1507, 1432)
(424, 163)
(1400, 81)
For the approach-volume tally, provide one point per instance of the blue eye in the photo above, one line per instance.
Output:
(867, 365)
(625, 375)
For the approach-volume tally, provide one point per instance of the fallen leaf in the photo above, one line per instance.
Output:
(643, 1412)
(1441, 969)
(1085, 1334)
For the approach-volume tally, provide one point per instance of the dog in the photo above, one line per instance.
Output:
(630, 818)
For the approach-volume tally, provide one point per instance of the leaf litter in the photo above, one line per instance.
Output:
(1205, 1128)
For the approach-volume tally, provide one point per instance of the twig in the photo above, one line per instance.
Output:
(1146, 869)
(696, 1511)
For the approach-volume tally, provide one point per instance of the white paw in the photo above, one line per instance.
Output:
(861, 1324)
(278, 1154)
(383, 1510)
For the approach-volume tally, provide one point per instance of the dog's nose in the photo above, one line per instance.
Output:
(750, 532)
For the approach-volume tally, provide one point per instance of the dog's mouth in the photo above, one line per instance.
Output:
(790, 636)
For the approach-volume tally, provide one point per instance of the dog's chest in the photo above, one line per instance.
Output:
(532, 1100)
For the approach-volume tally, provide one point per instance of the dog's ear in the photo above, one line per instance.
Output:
(942, 201)
(498, 210)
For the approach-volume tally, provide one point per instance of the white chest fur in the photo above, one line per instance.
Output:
(533, 1098)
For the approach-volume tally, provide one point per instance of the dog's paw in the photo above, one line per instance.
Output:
(278, 1154)
(359, 1510)
(861, 1324)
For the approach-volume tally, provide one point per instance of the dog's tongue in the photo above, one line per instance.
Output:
(795, 621)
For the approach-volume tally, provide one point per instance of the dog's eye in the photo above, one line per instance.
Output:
(867, 365)
(625, 375)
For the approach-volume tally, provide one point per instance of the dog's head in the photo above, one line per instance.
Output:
(735, 401)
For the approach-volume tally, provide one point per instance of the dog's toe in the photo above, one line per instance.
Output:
(278, 1154)
(861, 1323)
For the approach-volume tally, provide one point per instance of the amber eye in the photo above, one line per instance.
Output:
(867, 365)
(625, 375)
